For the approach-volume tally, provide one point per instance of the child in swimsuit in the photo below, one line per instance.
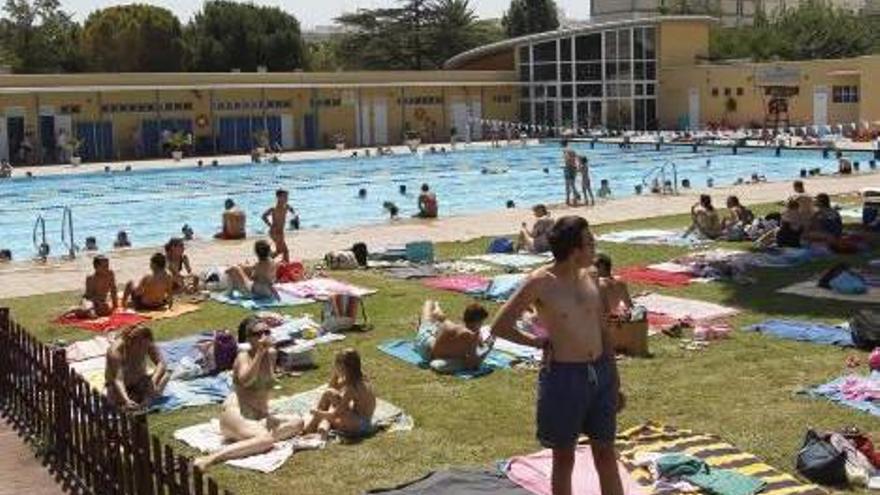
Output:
(178, 261)
(348, 404)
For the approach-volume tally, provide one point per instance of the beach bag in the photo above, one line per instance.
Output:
(225, 350)
(340, 260)
(296, 357)
(290, 272)
(341, 313)
(848, 283)
(420, 252)
(865, 328)
(360, 253)
(820, 462)
(501, 245)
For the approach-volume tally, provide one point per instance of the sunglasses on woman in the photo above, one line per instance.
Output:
(260, 333)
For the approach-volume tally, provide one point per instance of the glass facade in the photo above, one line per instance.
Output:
(607, 78)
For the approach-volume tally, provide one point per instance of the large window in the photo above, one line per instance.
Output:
(845, 94)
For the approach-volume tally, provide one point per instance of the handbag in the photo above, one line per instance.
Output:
(820, 462)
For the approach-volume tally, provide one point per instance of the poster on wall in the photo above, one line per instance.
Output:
(778, 75)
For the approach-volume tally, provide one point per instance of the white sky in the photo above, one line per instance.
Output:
(313, 12)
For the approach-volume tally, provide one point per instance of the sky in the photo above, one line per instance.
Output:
(313, 12)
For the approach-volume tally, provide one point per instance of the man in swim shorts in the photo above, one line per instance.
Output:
(100, 287)
(278, 216)
(155, 291)
(440, 338)
(578, 386)
(571, 168)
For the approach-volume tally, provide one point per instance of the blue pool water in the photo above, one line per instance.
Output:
(153, 205)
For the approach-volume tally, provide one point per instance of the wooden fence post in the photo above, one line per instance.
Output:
(142, 463)
(60, 383)
(5, 356)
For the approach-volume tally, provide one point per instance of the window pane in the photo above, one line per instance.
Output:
(565, 49)
(524, 55)
(567, 116)
(539, 91)
(639, 71)
(540, 113)
(650, 43)
(624, 44)
(524, 73)
(610, 90)
(650, 71)
(583, 114)
(624, 90)
(610, 45)
(550, 113)
(524, 92)
(589, 72)
(567, 90)
(650, 89)
(589, 47)
(651, 114)
(610, 71)
(551, 91)
(545, 72)
(589, 90)
(624, 71)
(638, 43)
(525, 112)
(639, 111)
(545, 52)
(639, 89)
(566, 71)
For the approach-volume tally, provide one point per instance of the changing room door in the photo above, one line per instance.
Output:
(366, 134)
(311, 131)
(460, 119)
(4, 140)
(380, 121)
(476, 115)
(820, 105)
(287, 140)
(694, 109)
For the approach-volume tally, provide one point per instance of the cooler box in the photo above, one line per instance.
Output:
(420, 252)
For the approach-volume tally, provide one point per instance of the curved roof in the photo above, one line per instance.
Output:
(491, 49)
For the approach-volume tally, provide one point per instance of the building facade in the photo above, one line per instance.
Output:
(129, 116)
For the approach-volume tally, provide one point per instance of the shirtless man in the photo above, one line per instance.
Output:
(234, 220)
(100, 286)
(128, 384)
(578, 387)
(155, 291)
(278, 216)
(804, 201)
(441, 338)
(571, 167)
(616, 292)
(586, 185)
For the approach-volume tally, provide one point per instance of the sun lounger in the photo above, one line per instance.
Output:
(804, 331)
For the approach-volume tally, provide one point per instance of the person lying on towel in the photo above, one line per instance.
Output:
(348, 404)
(440, 339)
(246, 422)
(128, 384)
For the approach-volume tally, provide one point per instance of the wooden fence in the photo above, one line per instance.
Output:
(93, 447)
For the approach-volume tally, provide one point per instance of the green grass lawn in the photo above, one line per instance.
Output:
(742, 389)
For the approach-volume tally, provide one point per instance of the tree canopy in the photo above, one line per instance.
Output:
(227, 35)
(132, 38)
(37, 36)
(530, 16)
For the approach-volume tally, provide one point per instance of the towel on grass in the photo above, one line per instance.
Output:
(651, 236)
(804, 331)
(457, 482)
(104, 324)
(206, 437)
(179, 309)
(855, 391)
(680, 308)
(643, 275)
(513, 261)
(810, 288)
(409, 272)
(461, 266)
(321, 288)
(88, 349)
(466, 284)
(236, 299)
(202, 391)
(405, 351)
(533, 472)
(651, 438)
(502, 287)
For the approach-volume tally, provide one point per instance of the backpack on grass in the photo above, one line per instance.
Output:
(865, 328)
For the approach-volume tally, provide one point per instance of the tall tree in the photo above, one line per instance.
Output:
(228, 35)
(454, 28)
(37, 36)
(530, 16)
(133, 38)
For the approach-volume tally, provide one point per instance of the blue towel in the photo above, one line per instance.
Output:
(173, 351)
(502, 287)
(258, 304)
(193, 393)
(803, 331)
(831, 391)
(405, 351)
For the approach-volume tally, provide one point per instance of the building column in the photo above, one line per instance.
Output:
(38, 137)
(211, 121)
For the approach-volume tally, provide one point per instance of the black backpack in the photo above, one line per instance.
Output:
(865, 328)
(360, 253)
(820, 462)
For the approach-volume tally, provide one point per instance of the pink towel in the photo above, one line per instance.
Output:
(650, 276)
(467, 284)
(533, 472)
(321, 288)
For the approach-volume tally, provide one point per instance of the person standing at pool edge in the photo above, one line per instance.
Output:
(578, 386)
(570, 170)
(278, 216)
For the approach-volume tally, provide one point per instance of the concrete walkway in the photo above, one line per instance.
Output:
(27, 278)
(20, 472)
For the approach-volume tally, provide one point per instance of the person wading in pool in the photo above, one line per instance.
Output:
(234, 220)
(578, 386)
(278, 216)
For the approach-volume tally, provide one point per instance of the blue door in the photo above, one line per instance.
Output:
(243, 135)
(150, 138)
(227, 135)
(85, 132)
(310, 127)
(274, 124)
(104, 136)
(47, 138)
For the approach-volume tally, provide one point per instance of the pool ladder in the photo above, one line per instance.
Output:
(660, 173)
(67, 237)
(39, 237)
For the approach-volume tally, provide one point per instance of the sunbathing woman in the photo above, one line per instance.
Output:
(246, 419)
(348, 404)
(705, 219)
(534, 240)
(178, 261)
(440, 338)
(256, 281)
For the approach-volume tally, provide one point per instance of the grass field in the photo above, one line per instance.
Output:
(742, 389)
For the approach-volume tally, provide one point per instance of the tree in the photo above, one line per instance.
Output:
(323, 56)
(133, 38)
(453, 28)
(37, 36)
(530, 16)
(228, 35)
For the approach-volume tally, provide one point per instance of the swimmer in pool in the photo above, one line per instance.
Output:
(154, 291)
(256, 281)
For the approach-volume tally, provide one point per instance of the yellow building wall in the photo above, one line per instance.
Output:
(682, 43)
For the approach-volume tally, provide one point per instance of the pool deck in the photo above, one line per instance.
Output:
(25, 278)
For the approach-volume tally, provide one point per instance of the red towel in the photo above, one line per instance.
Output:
(103, 324)
(642, 275)
(468, 284)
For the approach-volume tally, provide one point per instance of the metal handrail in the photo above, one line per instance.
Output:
(67, 236)
(42, 247)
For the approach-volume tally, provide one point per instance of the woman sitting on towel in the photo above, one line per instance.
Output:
(256, 281)
(178, 263)
(705, 217)
(348, 404)
(129, 385)
(246, 421)
(441, 339)
(616, 292)
(535, 240)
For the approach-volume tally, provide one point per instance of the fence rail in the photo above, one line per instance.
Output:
(92, 446)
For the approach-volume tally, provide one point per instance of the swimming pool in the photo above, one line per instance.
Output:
(152, 205)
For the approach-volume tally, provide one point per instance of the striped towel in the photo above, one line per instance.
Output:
(653, 437)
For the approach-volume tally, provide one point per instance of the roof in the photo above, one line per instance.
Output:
(512, 43)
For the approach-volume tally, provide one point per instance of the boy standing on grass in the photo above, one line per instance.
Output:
(278, 216)
(578, 387)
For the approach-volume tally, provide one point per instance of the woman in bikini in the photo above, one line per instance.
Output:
(246, 420)
(348, 404)
(256, 281)
(178, 261)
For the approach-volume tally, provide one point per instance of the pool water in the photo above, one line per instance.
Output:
(153, 205)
